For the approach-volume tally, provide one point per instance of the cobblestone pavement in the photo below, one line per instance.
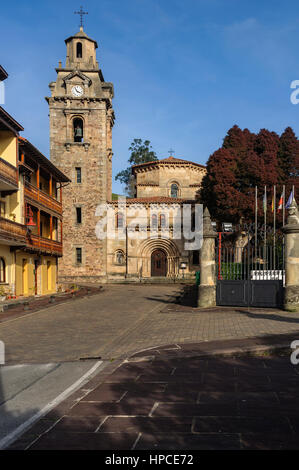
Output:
(177, 400)
(127, 318)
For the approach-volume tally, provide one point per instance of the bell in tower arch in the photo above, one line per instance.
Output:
(78, 130)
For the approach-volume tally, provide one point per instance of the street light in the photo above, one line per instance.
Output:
(183, 266)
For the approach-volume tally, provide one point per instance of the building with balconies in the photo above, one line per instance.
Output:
(30, 213)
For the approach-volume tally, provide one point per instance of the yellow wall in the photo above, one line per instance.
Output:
(8, 147)
(48, 275)
(25, 284)
(15, 206)
(45, 284)
(8, 152)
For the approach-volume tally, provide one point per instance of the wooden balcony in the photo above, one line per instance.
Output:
(12, 233)
(8, 176)
(41, 198)
(44, 245)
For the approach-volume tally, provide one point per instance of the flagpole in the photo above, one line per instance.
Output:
(255, 238)
(283, 205)
(265, 225)
(274, 223)
(283, 223)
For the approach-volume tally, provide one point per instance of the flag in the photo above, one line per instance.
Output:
(280, 204)
(290, 200)
(265, 201)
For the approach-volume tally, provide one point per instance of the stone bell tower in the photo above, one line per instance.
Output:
(81, 121)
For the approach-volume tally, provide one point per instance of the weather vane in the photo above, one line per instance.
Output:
(171, 152)
(81, 13)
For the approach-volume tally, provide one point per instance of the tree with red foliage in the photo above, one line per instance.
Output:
(288, 159)
(247, 160)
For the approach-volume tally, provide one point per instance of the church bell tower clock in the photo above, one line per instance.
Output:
(81, 121)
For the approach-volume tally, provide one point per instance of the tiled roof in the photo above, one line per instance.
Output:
(7, 121)
(169, 160)
(154, 200)
(42, 160)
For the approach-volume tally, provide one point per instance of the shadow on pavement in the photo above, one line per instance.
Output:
(10, 420)
(176, 400)
(270, 316)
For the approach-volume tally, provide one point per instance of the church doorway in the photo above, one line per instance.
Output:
(158, 263)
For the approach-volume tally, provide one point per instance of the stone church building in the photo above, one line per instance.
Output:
(81, 121)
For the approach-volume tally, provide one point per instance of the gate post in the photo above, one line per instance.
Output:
(207, 287)
(291, 230)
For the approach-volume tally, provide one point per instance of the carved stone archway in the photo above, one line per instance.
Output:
(148, 247)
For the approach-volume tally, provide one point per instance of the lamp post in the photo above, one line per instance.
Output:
(183, 266)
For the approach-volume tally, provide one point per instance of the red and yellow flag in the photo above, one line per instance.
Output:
(280, 204)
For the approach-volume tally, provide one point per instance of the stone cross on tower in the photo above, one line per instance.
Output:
(81, 13)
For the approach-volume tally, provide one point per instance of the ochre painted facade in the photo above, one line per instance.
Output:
(30, 215)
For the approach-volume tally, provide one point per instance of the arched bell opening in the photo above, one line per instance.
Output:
(79, 50)
(78, 130)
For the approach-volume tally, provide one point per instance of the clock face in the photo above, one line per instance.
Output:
(77, 90)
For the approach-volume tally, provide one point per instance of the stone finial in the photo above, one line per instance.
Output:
(207, 224)
(293, 216)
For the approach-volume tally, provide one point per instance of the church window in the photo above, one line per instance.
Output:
(174, 190)
(78, 175)
(79, 255)
(154, 221)
(119, 257)
(162, 221)
(78, 130)
(120, 220)
(79, 215)
(79, 50)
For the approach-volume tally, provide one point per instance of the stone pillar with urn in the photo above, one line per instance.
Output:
(291, 231)
(207, 287)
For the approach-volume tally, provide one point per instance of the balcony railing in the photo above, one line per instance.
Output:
(8, 175)
(44, 244)
(35, 194)
(12, 232)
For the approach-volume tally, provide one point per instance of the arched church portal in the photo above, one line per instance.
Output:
(158, 263)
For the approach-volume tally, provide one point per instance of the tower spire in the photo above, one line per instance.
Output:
(81, 13)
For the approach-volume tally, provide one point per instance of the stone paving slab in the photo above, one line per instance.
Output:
(223, 402)
(106, 326)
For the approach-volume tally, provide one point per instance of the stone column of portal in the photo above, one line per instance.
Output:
(207, 287)
(291, 230)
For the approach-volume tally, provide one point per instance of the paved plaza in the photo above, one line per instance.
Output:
(124, 319)
(176, 399)
(172, 376)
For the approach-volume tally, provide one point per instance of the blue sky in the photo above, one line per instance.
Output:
(184, 71)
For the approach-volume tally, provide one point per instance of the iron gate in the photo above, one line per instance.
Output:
(252, 275)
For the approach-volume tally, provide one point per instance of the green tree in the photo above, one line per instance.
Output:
(141, 152)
